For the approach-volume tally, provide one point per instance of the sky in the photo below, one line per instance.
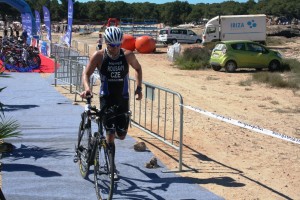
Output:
(166, 1)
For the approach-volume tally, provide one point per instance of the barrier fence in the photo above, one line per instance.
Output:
(159, 114)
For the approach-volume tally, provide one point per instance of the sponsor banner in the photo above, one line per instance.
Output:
(244, 125)
(44, 48)
(28, 22)
(38, 22)
(68, 36)
(47, 21)
(24, 25)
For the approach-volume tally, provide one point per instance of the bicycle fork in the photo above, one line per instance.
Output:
(89, 155)
(79, 151)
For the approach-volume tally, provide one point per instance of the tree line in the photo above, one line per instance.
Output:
(173, 13)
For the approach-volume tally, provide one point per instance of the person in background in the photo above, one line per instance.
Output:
(5, 32)
(24, 36)
(11, 32)
(100, 42)
(17, 33)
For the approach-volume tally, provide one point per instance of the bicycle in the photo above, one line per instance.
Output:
(20, 57)
(93, 149)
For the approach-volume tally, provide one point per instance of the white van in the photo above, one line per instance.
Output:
(173, 35)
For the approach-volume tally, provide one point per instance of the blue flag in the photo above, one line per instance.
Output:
(68, 36)
(38, 22)
(24, 25)
(28, 22)
(47, 22)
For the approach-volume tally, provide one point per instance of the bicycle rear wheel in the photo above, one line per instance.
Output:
(83, 145)
(104, 173)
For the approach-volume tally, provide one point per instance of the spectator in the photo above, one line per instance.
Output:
(24, 36)
(5, 32)
(17, 33)
(11, 32)
(100, 41)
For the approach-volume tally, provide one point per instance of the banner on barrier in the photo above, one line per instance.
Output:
(44, 48)
(245, 125)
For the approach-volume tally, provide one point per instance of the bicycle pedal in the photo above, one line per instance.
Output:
(116, 176)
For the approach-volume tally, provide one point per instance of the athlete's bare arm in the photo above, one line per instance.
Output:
(95, 62)
(134, 63)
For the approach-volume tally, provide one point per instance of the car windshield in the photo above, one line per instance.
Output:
(161, 32)
(220, 47)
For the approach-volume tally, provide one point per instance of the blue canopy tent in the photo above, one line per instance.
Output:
(23, 8)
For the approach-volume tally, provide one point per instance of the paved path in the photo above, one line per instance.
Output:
(41, 167)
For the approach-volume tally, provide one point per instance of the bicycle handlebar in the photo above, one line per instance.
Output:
(103, 111)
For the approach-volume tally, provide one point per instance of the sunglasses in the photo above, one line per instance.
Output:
(114, 45)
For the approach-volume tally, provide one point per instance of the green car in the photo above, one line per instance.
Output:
(244, 54)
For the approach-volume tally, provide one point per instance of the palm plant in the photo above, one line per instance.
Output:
(8, 128)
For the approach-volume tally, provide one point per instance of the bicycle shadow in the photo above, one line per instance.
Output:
(154, 184)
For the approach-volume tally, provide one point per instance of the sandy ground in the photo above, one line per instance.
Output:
(232, 162)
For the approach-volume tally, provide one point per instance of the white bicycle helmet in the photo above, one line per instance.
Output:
(113, 35)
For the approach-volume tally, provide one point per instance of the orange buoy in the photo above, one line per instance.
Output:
(145, 44)
(128, 42)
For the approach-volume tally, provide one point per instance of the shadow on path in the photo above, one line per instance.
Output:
(132, 187)
(11, 108)
(39, 171)
(36, 152)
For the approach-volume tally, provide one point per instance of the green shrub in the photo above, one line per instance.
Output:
(277, 40)
(292, 65)
(290, 78)
(193, 58)
(275, 80)
(271, 41)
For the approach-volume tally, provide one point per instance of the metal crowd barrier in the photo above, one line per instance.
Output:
(59, 51)
(83, 48)
(159, 114)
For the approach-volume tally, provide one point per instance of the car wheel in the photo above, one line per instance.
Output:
(198, 41)
(174, 41)
(216, 67)
(230, 66)
(274, 65)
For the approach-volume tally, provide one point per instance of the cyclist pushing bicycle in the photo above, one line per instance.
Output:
(113, 65)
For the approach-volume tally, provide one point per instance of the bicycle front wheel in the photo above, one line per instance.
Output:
(83, 145)
(104, 172)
